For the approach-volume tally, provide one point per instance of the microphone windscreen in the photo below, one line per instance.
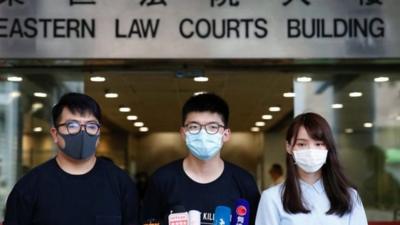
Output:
(222, 215)
(241, 213)
(181, 218)
(194, 217)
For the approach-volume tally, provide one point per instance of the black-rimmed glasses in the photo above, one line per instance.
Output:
(195, 128)
(74, 127)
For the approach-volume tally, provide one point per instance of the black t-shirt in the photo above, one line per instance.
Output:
(49, 196)
(170, 187)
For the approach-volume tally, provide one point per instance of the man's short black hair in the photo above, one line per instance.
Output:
(76, 103)
(206, 103)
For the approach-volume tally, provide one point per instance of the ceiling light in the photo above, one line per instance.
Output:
(355, 94)
(97, 79)
(14, 79)
(255, 129)
(124, 109)
(368, 125)
(260, 123)
(111, 95)
(266, 117)
(200, 79)
(199, 93)
(15, 94)
(131, 117)
(40, 94)
(289, 94)
(348, 130)
(37, 129)
(274, 109)
(381, 79)
(304, 79)
(143, 129)
(337, 106)
(36, 106)
(138, 124)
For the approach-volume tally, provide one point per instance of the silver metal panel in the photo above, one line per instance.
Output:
(244, 29)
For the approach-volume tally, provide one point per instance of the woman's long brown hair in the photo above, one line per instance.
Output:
(337, 186)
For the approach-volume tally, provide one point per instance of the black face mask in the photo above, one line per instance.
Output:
(80, 145)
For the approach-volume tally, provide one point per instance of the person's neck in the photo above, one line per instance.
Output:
(203, 171)
(73, 166)
(310, 178)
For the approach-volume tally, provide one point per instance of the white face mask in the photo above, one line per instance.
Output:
(310, 160)
(204, 146)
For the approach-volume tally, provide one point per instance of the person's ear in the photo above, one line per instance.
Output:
(289, 149)
(53, 132)
(182, 132)
(226, 136)
(98, 141)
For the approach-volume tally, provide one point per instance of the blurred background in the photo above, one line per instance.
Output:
(141, 103)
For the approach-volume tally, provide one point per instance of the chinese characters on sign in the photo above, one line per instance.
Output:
(153, 2)
(81, 2)
(220, 3)
(359, 27)
(370, 2)
(289, 1)
(11, 2)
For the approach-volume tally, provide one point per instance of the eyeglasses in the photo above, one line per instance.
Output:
(211, 128)
(74, 127)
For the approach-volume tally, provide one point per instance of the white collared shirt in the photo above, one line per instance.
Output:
(270, 209)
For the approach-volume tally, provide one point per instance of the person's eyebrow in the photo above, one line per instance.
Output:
(301, 139)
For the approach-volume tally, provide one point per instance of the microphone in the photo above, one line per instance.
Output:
(178, 216)
(151, 222)
(194, 217)
(241, 214)
(222, 215)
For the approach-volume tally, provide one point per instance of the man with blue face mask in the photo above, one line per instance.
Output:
(75, 187)
(202, 180)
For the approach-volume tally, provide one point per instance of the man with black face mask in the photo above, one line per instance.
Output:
(75, 187)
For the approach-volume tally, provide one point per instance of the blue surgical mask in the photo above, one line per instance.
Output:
(79, 146)
(204, 146)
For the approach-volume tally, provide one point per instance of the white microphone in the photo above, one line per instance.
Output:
(194, 217)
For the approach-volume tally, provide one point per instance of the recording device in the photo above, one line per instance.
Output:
(194, 217)
(178, 216)
(222, 215)
(241, 213)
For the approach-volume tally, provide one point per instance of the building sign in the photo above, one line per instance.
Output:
(199, 29)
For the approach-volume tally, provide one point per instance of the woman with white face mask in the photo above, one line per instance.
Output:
(315, 192)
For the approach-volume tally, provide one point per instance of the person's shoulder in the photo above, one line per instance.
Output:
(106, 162)
(275, 190)
(113, 169)
(35, 175)
(168, 174)
(42, 169)
(271, 196)
(237, 171)
(354, 195)
(169, 169)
